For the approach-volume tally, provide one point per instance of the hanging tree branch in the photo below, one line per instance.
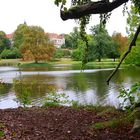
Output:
(133, 43)
(99, 7)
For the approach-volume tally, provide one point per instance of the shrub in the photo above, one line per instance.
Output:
(2, 133)
(131, 97)
(10, 53)
(66, 52)
(55, 99)
(58, 53)
(134, 57)
(77, 55)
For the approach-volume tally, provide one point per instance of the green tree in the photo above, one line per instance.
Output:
(58, 53)
(10, 53)
(132, 22)
(19, 35)
(91, 48)
(113, 50)
(78, 53)
(68, 43)
(101, 41)
(36, 43)
(4, 41)
(71, 40)
(134, 57)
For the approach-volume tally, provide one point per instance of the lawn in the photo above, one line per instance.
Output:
(105, 63)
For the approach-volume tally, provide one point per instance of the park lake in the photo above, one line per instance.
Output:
(86, 87)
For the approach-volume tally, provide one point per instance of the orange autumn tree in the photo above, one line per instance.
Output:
(36, 45)
(121, 40)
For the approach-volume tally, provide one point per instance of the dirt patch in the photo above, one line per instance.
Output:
(59, 123)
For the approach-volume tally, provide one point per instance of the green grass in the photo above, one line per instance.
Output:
(67, 61)
(1, 125)
(107, 116)
(105, 63)
(111, 123)
(9, 62)
(112, 118)
(25, 64)
(34, 65)
(1, 133)
(49, 104)
(101, 110)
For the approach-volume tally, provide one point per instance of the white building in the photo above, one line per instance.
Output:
(58, 40)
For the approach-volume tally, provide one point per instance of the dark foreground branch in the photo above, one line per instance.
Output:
(133, 43)
(99, 7)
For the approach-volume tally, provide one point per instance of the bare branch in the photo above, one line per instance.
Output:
(133, 43)
(98, 7)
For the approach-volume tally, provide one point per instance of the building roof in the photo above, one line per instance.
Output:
(54, 35)
(50, 35)
(10, 36)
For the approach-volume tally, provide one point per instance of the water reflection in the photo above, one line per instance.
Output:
(34, 87)
(4, 88)
(88, 87)
(6, 96)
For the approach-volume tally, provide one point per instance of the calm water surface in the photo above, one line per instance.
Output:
(87, 87)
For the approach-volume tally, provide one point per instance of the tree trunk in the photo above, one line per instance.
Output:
(99, 59)
(36, 61)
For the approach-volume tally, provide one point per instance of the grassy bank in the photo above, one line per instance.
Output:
(21, 63)
(9, 62)
(34, 65)
(105, 63)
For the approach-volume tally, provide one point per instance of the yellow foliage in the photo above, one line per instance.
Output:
(36, 45)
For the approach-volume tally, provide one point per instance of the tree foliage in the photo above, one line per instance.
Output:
(100, 44)
(113, 50)
(71, 40)
(132, 23)
(4, 41)
(101, 41)
(77, 54)
(121, 40)
(58, 53)
(36, 43)
(19, 35)
(10, 53)
(134, 57)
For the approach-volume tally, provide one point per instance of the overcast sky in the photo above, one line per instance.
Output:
(45, 14)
